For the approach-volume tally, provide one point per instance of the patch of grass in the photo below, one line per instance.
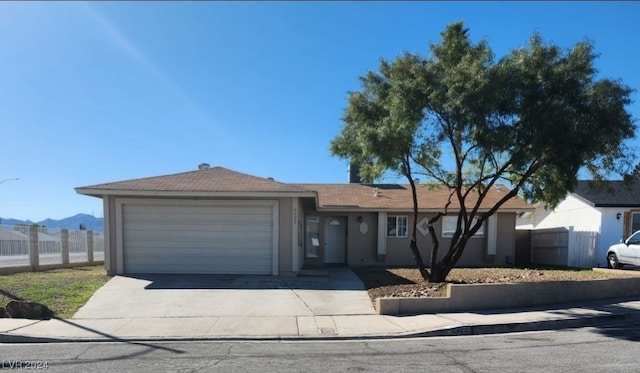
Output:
(64, 291)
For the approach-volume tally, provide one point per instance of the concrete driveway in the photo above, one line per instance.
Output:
(339, 292)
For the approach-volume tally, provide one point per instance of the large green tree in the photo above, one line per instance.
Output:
(531, 120)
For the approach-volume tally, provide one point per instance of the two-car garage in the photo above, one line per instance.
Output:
(209, 221)
(198, 236)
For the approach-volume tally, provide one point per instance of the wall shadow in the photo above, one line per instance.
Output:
(336, 280)
(614, 320)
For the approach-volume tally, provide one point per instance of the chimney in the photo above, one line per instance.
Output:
(354, 174)
(203, 166)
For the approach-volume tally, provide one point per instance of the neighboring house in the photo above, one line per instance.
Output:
(594, 218)
(215, 220)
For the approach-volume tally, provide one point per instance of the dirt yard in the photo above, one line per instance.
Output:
(407, 282)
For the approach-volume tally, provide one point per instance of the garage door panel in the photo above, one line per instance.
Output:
(202, 229)
(169, 213)
(194, 209)
(248, 238)
(198, 239)
(202, 263)
(202, 254)
(264, 224)
(208, 244)
(219, 221)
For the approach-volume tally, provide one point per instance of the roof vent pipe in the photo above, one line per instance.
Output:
(203, 166)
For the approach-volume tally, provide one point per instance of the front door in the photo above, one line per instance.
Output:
(335, 242)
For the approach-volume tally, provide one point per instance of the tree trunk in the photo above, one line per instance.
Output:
(435, 245)
(414, 227)
(441, 270)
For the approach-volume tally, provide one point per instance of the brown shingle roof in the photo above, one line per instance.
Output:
(214, 179)
(329, 196)
(395, 196)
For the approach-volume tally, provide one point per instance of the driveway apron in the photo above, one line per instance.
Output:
(338, 292)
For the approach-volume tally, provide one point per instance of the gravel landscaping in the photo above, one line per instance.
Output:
(407, 282)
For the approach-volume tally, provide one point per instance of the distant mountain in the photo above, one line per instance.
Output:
(73, 222)
(15, 221)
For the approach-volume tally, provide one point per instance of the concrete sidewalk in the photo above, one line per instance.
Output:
(319, 327)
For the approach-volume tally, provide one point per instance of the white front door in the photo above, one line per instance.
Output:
(335, 243)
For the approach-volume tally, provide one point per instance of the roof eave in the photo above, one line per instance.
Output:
(410, 209)
(606, 204)
(201, 194)
(583, 199)
(623, 205)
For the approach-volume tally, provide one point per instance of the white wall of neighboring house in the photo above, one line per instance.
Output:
(611, 232)
(592, 230)
(572, 212)
(527, 220)
(581, 219)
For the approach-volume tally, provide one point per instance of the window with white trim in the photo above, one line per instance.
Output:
(449, 227)
(312, 236)
(397, 226)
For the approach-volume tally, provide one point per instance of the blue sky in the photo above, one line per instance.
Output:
(108, 91)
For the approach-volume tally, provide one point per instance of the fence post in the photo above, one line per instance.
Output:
(573, 255)
(64, 242)
(90, 246)
(34, 257)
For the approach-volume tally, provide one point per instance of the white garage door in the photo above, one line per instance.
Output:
(226, 237)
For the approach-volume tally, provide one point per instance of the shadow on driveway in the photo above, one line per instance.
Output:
(334, 279)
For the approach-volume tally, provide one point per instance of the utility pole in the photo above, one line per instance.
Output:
(5, 180)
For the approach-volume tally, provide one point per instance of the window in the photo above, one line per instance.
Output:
(635, 221)
(634, 240)
(397, 226)
(312, 237)
(449, 227)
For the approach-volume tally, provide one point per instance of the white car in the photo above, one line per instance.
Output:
(625, 252)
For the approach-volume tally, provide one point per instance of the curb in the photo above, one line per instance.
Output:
(462, 330)
(532, 326)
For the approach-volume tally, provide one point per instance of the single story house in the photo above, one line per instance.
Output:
(215, 220)
(594, 217)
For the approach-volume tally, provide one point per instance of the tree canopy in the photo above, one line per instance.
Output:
(461, 120)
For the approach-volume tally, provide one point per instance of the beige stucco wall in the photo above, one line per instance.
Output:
(285, 233)
(300, 217)
(361, 248)
(398, 251)
(110, 243)
(474, 255)
(506, 239)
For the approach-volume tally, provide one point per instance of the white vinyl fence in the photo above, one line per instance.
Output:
(24, 248)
